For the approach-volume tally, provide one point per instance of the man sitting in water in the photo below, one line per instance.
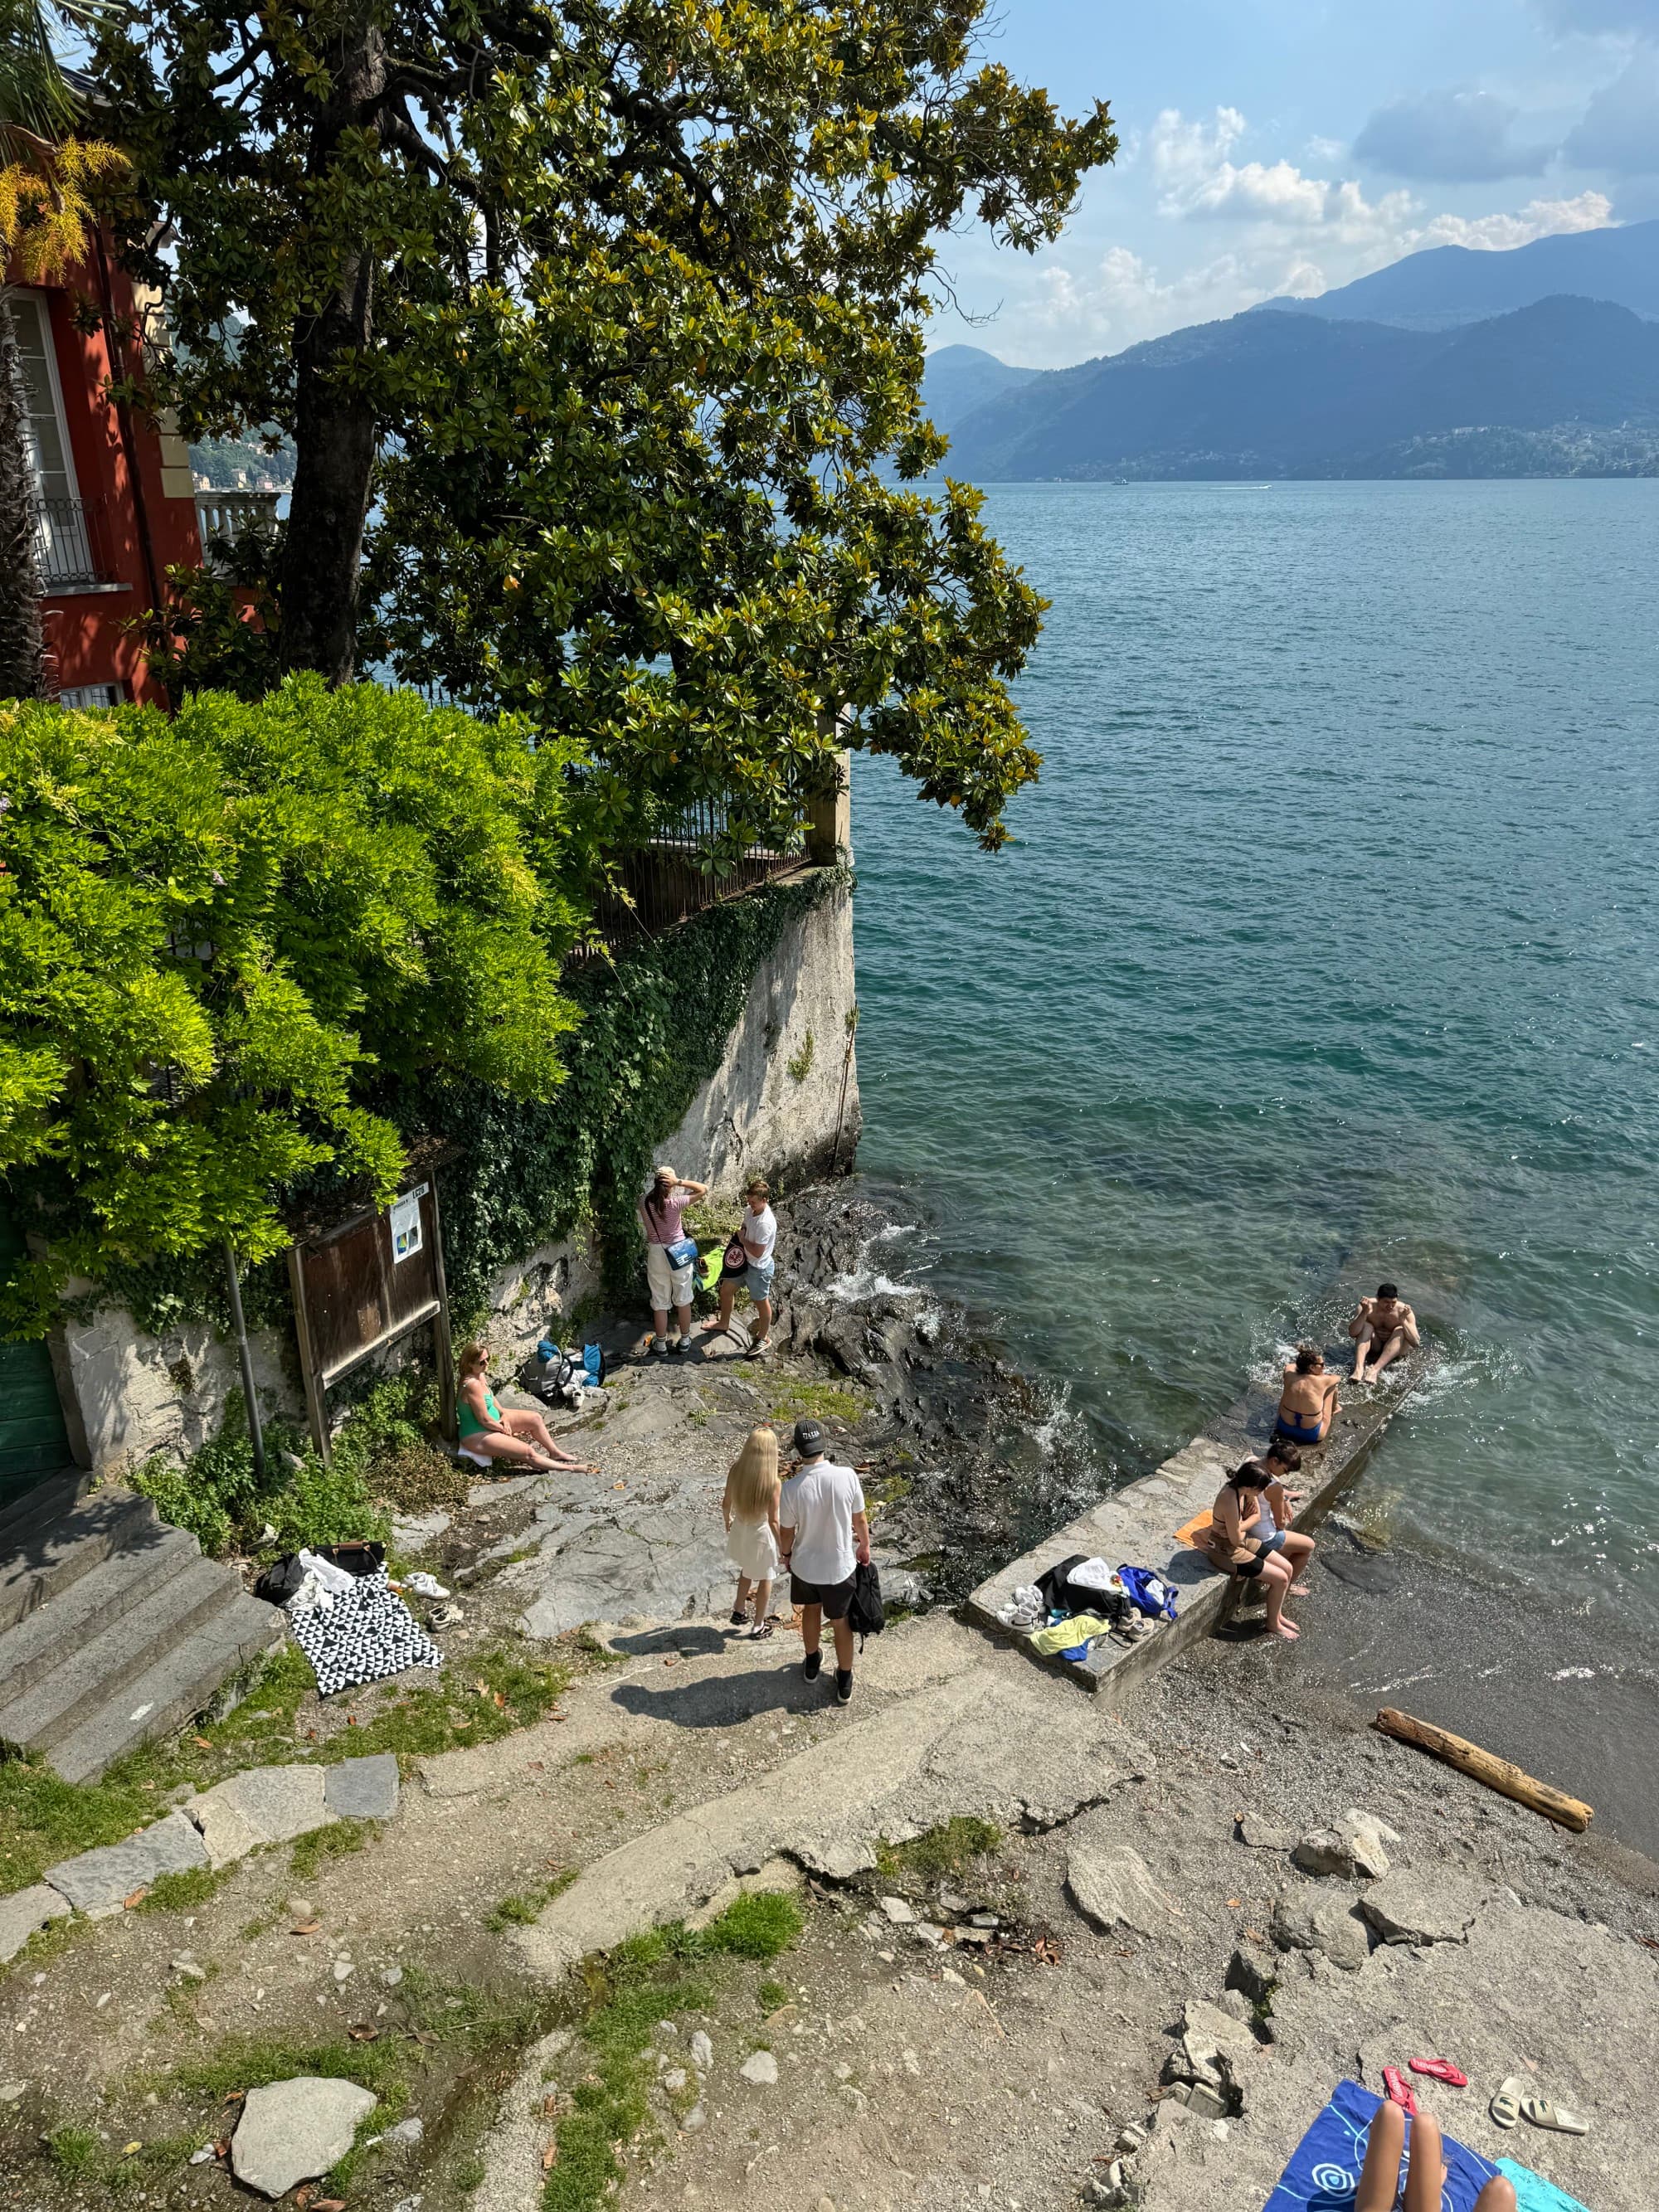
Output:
(1383, 1327)
(1308, 1402)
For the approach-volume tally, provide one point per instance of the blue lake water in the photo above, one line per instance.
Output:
(1327, 952)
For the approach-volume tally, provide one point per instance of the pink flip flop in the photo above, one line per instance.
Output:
(1400, 2091)
(1440, 2070)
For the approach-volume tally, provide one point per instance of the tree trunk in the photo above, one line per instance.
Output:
(22, 649)
(335, 427)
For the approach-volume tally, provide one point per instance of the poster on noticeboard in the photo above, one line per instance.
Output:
(406, 1238)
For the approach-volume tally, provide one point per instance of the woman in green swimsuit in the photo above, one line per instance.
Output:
(488, 1433)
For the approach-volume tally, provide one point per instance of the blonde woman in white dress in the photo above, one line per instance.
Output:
(750, 1508)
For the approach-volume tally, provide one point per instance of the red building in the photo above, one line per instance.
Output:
(117, 503)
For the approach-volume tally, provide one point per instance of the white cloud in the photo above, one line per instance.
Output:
(1197, 179)
(1497, 234)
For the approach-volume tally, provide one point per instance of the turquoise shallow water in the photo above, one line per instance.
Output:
(1327, 953)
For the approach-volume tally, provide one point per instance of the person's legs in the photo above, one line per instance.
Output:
(763, 1324)
(740, 1601)
(1297, 1550)
(1379, 2182)
(1275, 1586)
(1361, 1334)
(722, 1320)
(534, 1430)
(1497, 2196)
(1391, 1350)
(811, 1628)
(763, 1604)
(491, 1444)
(1427, 2178)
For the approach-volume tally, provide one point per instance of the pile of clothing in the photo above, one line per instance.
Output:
(1080, 1600)
(349, 1622)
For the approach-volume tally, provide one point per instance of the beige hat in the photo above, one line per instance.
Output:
(664, 1174)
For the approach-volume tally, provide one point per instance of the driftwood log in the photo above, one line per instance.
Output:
(1496, 1774)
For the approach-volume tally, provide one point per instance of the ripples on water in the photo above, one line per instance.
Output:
(1327, 952)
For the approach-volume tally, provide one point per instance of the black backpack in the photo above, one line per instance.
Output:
(866, 1615)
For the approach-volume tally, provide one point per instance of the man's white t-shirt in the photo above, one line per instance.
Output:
(760, 1228)
(819, 1503)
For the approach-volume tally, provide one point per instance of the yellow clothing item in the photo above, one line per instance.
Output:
(1065, 1633)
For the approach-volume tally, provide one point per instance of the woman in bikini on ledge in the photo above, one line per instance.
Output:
(1308, 1402)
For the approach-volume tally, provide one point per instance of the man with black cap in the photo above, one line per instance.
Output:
(826, 1534)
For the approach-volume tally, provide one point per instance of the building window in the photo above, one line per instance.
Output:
(61, 543)
(92, 694)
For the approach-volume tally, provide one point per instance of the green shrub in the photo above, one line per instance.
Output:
(230, 937)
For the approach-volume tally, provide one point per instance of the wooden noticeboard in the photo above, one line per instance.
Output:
(362, 1286)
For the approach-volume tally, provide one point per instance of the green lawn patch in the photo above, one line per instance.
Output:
(947, 1850)
(526, 1909)
(653, 1976)
(184, 1892)
(312, 1852)
(821, 1402)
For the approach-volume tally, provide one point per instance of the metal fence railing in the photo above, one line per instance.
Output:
(65, 544)
(667, 881)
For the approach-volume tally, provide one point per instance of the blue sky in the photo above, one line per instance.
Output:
(1275, 146)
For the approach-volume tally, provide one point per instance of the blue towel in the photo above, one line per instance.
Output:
(1324, 2173)
(1533, 2193)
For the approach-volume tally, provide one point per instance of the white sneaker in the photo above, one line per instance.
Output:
(658, 1344)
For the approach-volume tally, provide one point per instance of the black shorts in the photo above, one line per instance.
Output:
(834, 1597)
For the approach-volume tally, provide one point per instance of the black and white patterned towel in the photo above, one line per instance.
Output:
(364, 1635)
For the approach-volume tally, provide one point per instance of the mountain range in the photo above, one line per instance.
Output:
(1435, 367)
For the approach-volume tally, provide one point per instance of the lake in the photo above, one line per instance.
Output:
(1326, 953)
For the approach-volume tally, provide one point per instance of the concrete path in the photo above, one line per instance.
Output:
(964, 1729)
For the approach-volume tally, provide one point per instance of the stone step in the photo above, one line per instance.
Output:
(42, 1501)
(87, 1679)
(172, 1691)
(46, 1553)
(52, 1633)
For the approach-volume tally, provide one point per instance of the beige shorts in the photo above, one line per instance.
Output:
(670, 1286)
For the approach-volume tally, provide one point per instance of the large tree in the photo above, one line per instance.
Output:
(611, 312)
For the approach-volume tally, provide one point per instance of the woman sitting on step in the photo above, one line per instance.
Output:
(1247, 1540)
(487, 1434)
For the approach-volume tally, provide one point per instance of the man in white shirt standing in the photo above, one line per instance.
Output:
(826, 1534)
(757, 1232)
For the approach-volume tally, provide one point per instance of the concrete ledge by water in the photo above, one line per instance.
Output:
(1136, 1526)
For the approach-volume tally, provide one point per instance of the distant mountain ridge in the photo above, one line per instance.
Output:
(1562, 384)
(1450, 284)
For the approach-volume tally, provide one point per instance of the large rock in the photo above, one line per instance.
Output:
(1112, 1885)
(362, 1789)
(266, 1805)
(1253, 1972)
(1353, 1847)
(1326, 1924)
(295, 2130)
(1420, 1909)
(1264, 1835)
(98, 1883)
(24, 1911)
(1214, 2051)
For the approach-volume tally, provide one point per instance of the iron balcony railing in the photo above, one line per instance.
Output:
(66, 547)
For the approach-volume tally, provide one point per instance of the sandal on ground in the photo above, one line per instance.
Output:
(1440, 2070)
(1505, 2106)
(756, 1634)
(1543, 2114)
(739, 1620)
(1398, 2090)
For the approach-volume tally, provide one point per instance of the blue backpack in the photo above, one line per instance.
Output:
(1148, 1592)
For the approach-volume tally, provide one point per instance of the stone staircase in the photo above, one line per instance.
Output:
(114, 1628)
